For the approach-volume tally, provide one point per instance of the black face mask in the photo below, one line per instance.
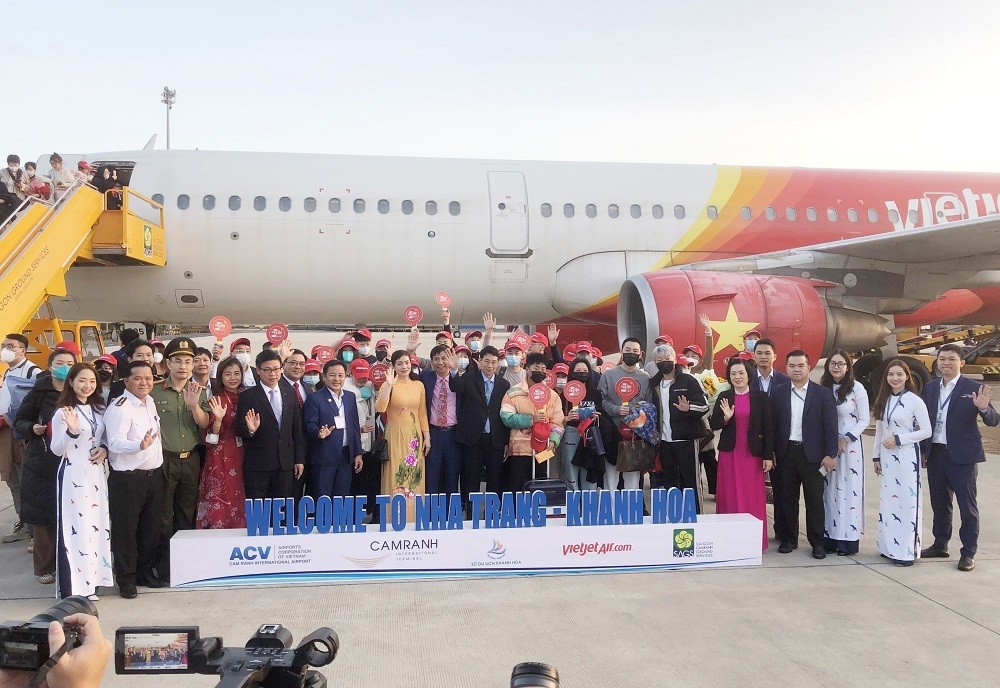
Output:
(380, 354)
(630, 359)
(105, 375)
(665, 367)
(537, 376)
(580, 377)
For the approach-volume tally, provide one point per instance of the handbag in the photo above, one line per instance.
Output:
(380, 449)
(635, 455)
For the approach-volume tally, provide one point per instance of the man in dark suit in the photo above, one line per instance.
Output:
(333, 431)
(764, 378)
(269, 422)
(480, 431)
(444, 460)
(954, 451)
(805, 443)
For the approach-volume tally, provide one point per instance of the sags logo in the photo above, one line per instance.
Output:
(683, 542)
(250, 553)
(498, 551)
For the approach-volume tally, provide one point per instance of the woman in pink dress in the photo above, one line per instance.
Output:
(746, 447)
(220, 493)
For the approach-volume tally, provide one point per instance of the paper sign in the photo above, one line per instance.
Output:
(325, 353)
(378, 374)
(550, 379)
(413, 314)
(277, 333)
(220, 327)
(443, 299)
(627, 388)
(539, 395)
(542, 457)
(575, 391)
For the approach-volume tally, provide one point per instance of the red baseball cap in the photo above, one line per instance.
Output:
(694, 348)
(383, 342)
(745, 356)
(363, 333)
(474, 333)
(570, 350)
(750, 332)
(347, 344)
(512, 346)
(242, 340)
(598, 352)
(69, 347)
(665, 338)
(107, 358)
(582, 347)
(313, 366)
(360, 369)
(539, 338)
(682, 361)
(83, 165)
(157, 342)
(560, 369)
(444, 333)
(540, 435)
(460, 348)
(414, 360)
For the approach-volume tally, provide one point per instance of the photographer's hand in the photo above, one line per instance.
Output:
(81, 667)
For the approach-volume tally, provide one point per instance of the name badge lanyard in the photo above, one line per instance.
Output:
(942, 405)
(92, 422)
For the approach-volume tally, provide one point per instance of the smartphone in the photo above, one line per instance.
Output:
(823, 470)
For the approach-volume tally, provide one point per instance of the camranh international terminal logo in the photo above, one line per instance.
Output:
(497, 551)
(683, 542)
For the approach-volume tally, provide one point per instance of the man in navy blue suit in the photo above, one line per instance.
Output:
(805, 444)
(333, 432)
(766, 379)
(954, 451)
(444, 460)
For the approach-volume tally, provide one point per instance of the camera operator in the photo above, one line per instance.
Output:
(81, 667)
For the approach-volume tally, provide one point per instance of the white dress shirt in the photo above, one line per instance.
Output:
(940, 435)
(126, 422)
(798, 407)
(301, 389)
(765, 382)
(665, 434)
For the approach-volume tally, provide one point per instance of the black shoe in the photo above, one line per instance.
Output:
(902, 562)
(819, 552)
(828, 549)
(152, 581)
(787, 547)
(128, 591)
(935, 551)
(966, 564)
(841, 553)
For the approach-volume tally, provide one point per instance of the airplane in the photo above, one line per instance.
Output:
(816, 259)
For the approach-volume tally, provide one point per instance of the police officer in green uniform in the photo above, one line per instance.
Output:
(183, 409)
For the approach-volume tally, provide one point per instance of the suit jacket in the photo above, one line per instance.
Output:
(965, 442)
(819, 421)
(271, 448)
(321, 409)
(778, 378)
(429, 378)
(760, 431)
(471, 390)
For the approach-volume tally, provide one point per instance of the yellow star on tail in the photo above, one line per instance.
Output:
(731, 330)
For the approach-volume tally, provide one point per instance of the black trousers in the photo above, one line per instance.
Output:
(680, 465)
(796, 470)
(948, 480)
(136, 506)
(477, 457)
(276, 484)
(518, 470)
(781, 532)
(709, 460)
(366, 483)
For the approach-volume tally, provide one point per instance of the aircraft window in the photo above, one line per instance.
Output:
(334, 205)
(679, 212)
(431, 207)
(635, 210)
(831, 214)
(658, 212)
(769, 213)
(359, 205)
(712, 212)
(208, 202)
(591, 210)
(852, 214)
(912, 217)
(158, 198)
(406, 207)
(811, 214)
(872, 215)
(284, 204)
(455, 208)
(569, 210)
(383, 206)
(612, 210)
(893, 215)
(234, 202)
(309, 204)
(90, 342)
(546, 210)
(746, 213)
(791, 214)
(183, 201)
(259, 203)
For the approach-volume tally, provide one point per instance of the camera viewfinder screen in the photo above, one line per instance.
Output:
(159, 651)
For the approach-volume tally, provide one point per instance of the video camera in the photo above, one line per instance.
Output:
(24, 645)
(266, 660)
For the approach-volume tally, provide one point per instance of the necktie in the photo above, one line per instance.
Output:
(489, 395)
(298, 396)
(276, 406)
(442, 403)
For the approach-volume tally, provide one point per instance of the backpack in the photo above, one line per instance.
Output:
(18, 388)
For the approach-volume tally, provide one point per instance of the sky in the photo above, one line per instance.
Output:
(906, 84)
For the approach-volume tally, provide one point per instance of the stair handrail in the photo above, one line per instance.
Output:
(9, 260)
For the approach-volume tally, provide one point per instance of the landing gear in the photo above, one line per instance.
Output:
(150, 330)
(870, 370)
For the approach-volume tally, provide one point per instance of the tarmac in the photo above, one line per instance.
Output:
(794, 621)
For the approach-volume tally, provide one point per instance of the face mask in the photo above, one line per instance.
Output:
(538, 376)
(693, 360)
(380, 354)
(463, 363)
(665, 367)
(7, 356)
(593, 361)
(513, 361)
(750, 344)
(364, 350)
(366, 392)
(60, 372)
(580, 377)
(12, 168)
(476, 345)
(630, 359)
(311, 379)
(243, 358)
(560, 382)
(105, 375)
(347, 356)
(157, 357)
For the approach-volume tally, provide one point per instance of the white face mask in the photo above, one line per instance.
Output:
(311, 379)
(463, 363)
(12, 168)
(243, 357)
(593, 361)
(693, 361)
(476, 344)
(364, 350)
(7, 355)
(157, 357)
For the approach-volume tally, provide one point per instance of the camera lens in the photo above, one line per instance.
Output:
(71, 605)
(534, 675)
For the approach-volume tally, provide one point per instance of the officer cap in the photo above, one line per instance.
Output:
(179, 346)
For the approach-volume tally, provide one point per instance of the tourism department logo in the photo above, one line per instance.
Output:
(683, 542)
(497, 551)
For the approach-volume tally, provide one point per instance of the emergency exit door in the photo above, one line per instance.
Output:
(508, 214)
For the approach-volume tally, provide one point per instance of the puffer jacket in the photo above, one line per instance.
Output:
(38, 483)
(517, 412)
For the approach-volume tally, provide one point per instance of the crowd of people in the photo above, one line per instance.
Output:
(18, 184)
(106, 461)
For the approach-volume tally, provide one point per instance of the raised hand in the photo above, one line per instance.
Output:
(446, 317)
(390, 378)
(285, 350)
(682, 403)
(324, 432)
(148, 439)
(452, 358)
(727, 410)
(192, 393)
(553, 334)
(489, 322)
(218, 408)
(72, 422)
(983, 397)
(253, 421)
(705, 322)
(413, 340)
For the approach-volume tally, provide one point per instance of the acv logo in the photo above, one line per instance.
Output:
(498, 551)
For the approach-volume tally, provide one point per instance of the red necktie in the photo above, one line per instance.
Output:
(442, 403)
(298, 397)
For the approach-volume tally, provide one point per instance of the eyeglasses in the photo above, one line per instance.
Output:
(270, 371)
(296, 364)
(12, 347)
(838, 364)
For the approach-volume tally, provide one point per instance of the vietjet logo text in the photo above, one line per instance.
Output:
(938, 207)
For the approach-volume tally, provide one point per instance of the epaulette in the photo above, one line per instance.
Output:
(121, 401)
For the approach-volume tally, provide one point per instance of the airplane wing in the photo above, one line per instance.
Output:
(901, 270)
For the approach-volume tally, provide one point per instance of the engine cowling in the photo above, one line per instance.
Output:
(793, 312)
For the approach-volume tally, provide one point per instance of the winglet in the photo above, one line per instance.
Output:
(151, 143)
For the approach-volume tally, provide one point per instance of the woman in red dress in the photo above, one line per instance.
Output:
(221, 494)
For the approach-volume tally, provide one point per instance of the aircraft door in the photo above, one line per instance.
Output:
(508, 215)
